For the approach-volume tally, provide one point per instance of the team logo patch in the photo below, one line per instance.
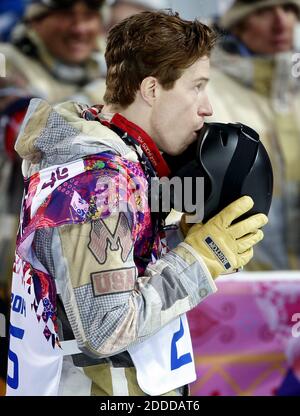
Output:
(113, 281)
(218, 253)
(101, 239)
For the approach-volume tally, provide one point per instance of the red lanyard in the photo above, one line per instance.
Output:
(147, 144)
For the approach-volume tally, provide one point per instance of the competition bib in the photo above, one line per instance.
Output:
(34, 358)
(165, 361)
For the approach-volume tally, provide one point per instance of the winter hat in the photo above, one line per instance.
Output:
(242, 8)
(148, 4)
(39, 8)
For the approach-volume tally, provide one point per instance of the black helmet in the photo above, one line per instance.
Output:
(233, 162)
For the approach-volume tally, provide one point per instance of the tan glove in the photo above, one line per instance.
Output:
(223, 246)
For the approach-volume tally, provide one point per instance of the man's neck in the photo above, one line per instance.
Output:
(137, 113)
(126, 121)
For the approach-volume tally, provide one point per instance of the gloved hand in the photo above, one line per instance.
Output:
(224, 246)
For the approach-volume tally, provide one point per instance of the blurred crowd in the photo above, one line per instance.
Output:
(54, 49)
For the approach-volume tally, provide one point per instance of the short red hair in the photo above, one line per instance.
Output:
(158, 44)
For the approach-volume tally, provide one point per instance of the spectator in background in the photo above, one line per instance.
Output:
(11, 11)
(55, 52)
(121, 9)
(252, 82)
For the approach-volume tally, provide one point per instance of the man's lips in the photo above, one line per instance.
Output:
(280, 40)
(199, 128)
(77, 44)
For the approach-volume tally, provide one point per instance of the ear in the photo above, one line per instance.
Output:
(149, 89)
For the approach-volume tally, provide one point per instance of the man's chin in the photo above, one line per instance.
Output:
(177, 152)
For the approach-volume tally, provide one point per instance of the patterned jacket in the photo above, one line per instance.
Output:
(94, 265)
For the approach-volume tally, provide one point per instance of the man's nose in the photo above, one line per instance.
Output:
(205, 108)
(280, 17)
(78, 26)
